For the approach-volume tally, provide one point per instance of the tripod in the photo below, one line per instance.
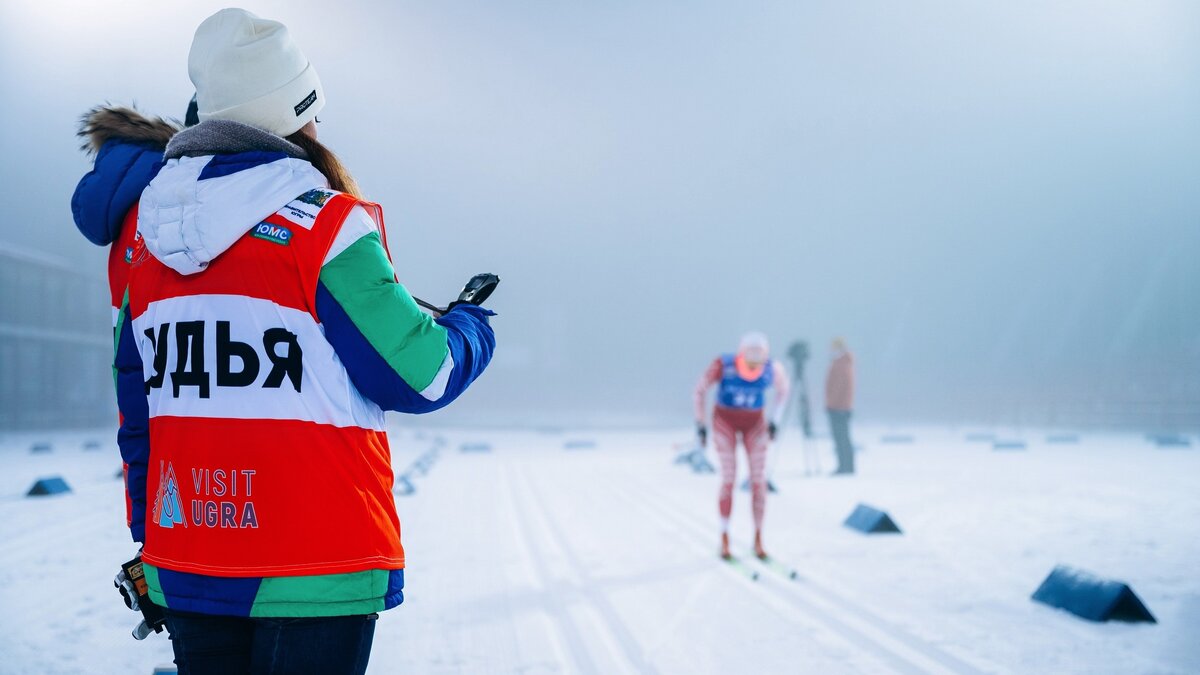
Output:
(799, 355)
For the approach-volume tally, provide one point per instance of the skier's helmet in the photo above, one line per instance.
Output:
(754, 347)
(753, 351)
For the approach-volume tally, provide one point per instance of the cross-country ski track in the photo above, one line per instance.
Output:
(534, 558)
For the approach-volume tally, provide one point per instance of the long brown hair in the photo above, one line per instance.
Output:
(327, 163)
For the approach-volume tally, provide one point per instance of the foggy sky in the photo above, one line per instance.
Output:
(993, 203)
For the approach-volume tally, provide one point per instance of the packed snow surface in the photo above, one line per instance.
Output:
(566, 551)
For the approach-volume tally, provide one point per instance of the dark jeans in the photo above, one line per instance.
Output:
(228, 645)
(839, 424)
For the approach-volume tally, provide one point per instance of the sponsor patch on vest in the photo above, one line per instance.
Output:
(128, 254)
(273, 233)
(306, 207)
(233, 507)
(306, 103)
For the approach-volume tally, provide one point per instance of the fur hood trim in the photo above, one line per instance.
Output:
(106, 122)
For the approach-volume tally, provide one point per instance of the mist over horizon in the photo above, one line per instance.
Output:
(995, 205)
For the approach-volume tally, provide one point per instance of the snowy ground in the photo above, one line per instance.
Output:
(532, 558)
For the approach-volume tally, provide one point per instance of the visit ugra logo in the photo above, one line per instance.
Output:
(274, 233)
(232, 484)
(168, 511)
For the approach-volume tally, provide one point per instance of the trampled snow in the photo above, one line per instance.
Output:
(591, 552)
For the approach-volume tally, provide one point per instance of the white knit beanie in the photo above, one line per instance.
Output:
(249, 70)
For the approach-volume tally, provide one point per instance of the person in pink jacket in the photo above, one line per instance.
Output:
(839, 402)
(743, 380)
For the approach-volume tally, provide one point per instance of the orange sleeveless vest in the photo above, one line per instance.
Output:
(265, 460)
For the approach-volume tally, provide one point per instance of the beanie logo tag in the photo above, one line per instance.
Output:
(306, 103)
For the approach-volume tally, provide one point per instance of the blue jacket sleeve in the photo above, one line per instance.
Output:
(106, 193)
(133, 438)
(472, 342)
(469, 337)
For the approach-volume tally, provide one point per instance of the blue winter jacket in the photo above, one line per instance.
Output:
(109, 190)
(129, 148)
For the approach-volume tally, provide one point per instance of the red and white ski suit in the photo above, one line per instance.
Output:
(748, 420)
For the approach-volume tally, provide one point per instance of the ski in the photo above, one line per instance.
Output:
(778, 567)
(744, 569)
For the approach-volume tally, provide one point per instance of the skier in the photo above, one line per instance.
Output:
(263, 334)
(743, 380)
